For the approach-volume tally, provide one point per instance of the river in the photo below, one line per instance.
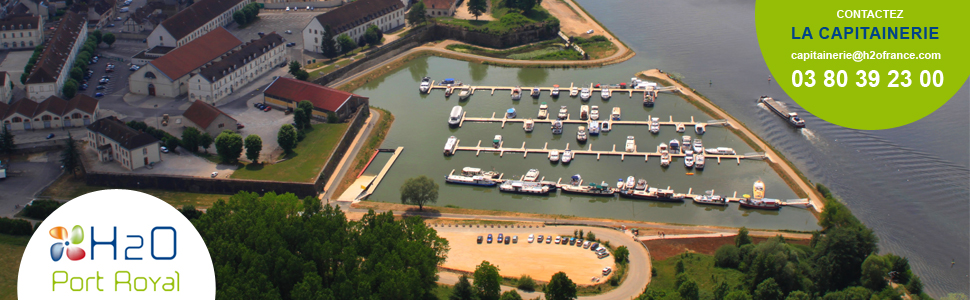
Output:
(910, 183)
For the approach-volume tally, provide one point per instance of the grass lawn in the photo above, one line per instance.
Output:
(443, 291)
(11, 250)
(700, 267)
(305, 162)
(597, 50)
(537, 14)
(67, 187)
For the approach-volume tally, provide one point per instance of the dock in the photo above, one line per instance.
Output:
(380, 176)
(501, 149)
(670, 121)
(612, 90)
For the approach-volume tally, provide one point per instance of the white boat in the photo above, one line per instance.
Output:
(464, 94)
(556, 127)
(497, 141)
(720, 150)
(606, 126)
(699, 128)
(573, 91)
(521, 187)
(615, 116)
(674, 146)
(686, 142)
(451, 145)
(689, 159)
(710, 199)
(631, 183)
(699, 161)
(594, 127)
(681, 127)
(581, 134)
(555, 91)
(528, 125)
(584, 112)
(662, 148)
(664, 159)
(554, 156)
(567, 156)
(698, 146)
(535, 92)
(455, 118)
(532, 175)
(516, 93)
(631, 145)
(510, 114)
(605, 94)
(563, 112)
(594, 112)
(425, 84)
(584, 94)
(543, 111)
(473, 176)
(654, 125)
(759, 190)
(641, 184)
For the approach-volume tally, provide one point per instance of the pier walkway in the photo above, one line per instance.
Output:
(568, 120)
(501, 149)
(450, 88)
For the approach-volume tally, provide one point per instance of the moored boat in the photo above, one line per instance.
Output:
(759, 190)
(455, 117)
(556, 127)
(584, 94)
(699, 128)
(535, 92)
(425, 84)
(581, 135)
(531, 175)
(563, 112)
(711, 199)
(698, 146)
(594, 127)
(567, 156)
(664, 158)
(528, 125)
(449, 91)
(699, 161)
(654, 125)
(554, 156)
(631, 144)
(631, 182)
(497, 141)
(605, 94)
(573, 91)
(720, 151)
(674, 146)
(510, 113)
(594, 112)
(606, 126)
(473, 176)
(543, 111)
(689, 159)
(516, 93)
(685, 141)
(641, 184)
(464, 94)
(653, 194)
(680, 127)
(591, 189)
(584, 112)
(648, 99)
(615, 116)
(769, 204)
(524, 187)
(451, 145)
(555, 91)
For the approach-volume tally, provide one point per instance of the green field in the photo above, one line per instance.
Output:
(501, 26)
(700, 267)
(68, 187)
(11, 250)
(305, 162)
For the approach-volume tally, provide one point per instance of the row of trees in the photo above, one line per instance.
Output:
(523, 5)
(229, 146)
(841, 262)
(81, 61)
(343, 44)
(488, 286)
(247, 14)
(283, 247)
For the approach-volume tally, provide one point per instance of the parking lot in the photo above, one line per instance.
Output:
(540, 261)
(173, 163)
(278, 21)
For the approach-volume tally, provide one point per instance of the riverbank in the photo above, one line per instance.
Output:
(784, 168)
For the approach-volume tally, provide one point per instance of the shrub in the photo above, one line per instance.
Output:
(15, 226)
(728, 256)
(526, 283)
(40, 209)
(514, 20)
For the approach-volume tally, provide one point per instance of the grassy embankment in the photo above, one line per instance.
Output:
(504, 21)
(373, 142)
(67, 187)
(11, 250)
(306, 161)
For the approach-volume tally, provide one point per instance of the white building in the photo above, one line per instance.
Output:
(353, 19)
(54, 112)
(440, 8)
(194, 22)
(217, 80)
(115, 141)
(21, 32)
(168, 76)
(49, 74)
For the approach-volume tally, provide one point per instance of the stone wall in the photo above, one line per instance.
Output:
(415, 38)
(524, 35)
(197, 184)
(343, 146)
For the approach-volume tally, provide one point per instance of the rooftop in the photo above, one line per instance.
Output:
(238, 58)
(125, 136)
(59, 47)
(297, 90)
(191, 18)
(351, 15)
(438, 4)
(203, 114)
(19, 22)
(196, 53)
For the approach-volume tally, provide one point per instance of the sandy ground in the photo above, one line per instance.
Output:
(663, 249)
(462, 12)
(540, 261)
(569, 22)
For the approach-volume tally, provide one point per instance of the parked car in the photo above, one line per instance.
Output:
(214, 174)
(479, 239)
(572, 241)
(602, 255)
(100, 87)
(309, 8)
(594, 246)
(240, 126)
(165, 150)
(261, 33)
(291, 44)
(500, 236)
(579, 242)
(515, 239)
(287, 8)
(124, 9)
(50, 136)
(549, 239)
(531, 238)
(607, 270)
(540, 239)
(489, 238)
(558, 239)
(267, 108)
(586, 245)
(589, 31)
(134, 68)
(112, 24)
(83, 87)
(98, 95)
(507, 239)
(118, 19)
(288, 32)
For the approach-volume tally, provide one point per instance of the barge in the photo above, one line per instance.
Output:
(653, 194)
(524, 187)
(783, 112)
(473, 176)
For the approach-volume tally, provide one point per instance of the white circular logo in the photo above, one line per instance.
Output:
(116, 244)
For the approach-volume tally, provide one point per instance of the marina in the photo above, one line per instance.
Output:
(649, 91)
(509, 117)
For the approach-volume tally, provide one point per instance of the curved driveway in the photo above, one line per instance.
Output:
(638, 273)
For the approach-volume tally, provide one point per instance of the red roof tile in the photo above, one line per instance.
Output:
(191, 18)
(353, 14)
(25, 107)
(196, 53)
(203, 114)
(52, 104)
(296, 90)
(438, 4)
(83, 103)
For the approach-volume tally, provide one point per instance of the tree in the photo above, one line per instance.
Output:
(329, 44)
(190, 212)
(526, 283)
(286, 138)
(347, 44)
(621, 254)
(71, 156)
(727, 256)
(915, 285)
(6, 141)
(77, 74)
(302, 75)
(560, 287)
(205, 140)
(417, 15)
(874, 271)
(373, 35)
(24, 75)
(738, 295)
(721, 290)
(294, 67)
(798, 295)
(742, 238)
(488, 282)
(332, 117)
(462, 290)
(768, 290)
(190, 139)
(171, 143)
(229, 146)
(419, 191)
(70, 88)
(109, 38)
(477, 7)
(268, 253)
(511, 295)
(239, 17)
(254, 144)
(590, 236)
(839, 254)
(689, 290)
(97, 36)
(301, 119)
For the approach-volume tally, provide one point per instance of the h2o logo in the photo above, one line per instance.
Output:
(72, 243)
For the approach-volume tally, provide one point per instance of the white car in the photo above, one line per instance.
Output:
(288, 32)
(607, 270)
(589, 31)
(531, 238)
(123, 9)
(214, 174)
(549, 239)
(287, 8)
(164, 149)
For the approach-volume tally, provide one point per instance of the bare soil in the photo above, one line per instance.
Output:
(571, 23)
(663, 249)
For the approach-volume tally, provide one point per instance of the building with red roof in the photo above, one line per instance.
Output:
(286, 93)
(168, 76)
(53, 112)
(208, 118)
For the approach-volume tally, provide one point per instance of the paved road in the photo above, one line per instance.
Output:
(638, 274)
(348, 158)
(26, 179)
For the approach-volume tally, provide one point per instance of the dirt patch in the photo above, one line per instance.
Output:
(461, 12)
(540, 261)
(570, 23)
(663, 249)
